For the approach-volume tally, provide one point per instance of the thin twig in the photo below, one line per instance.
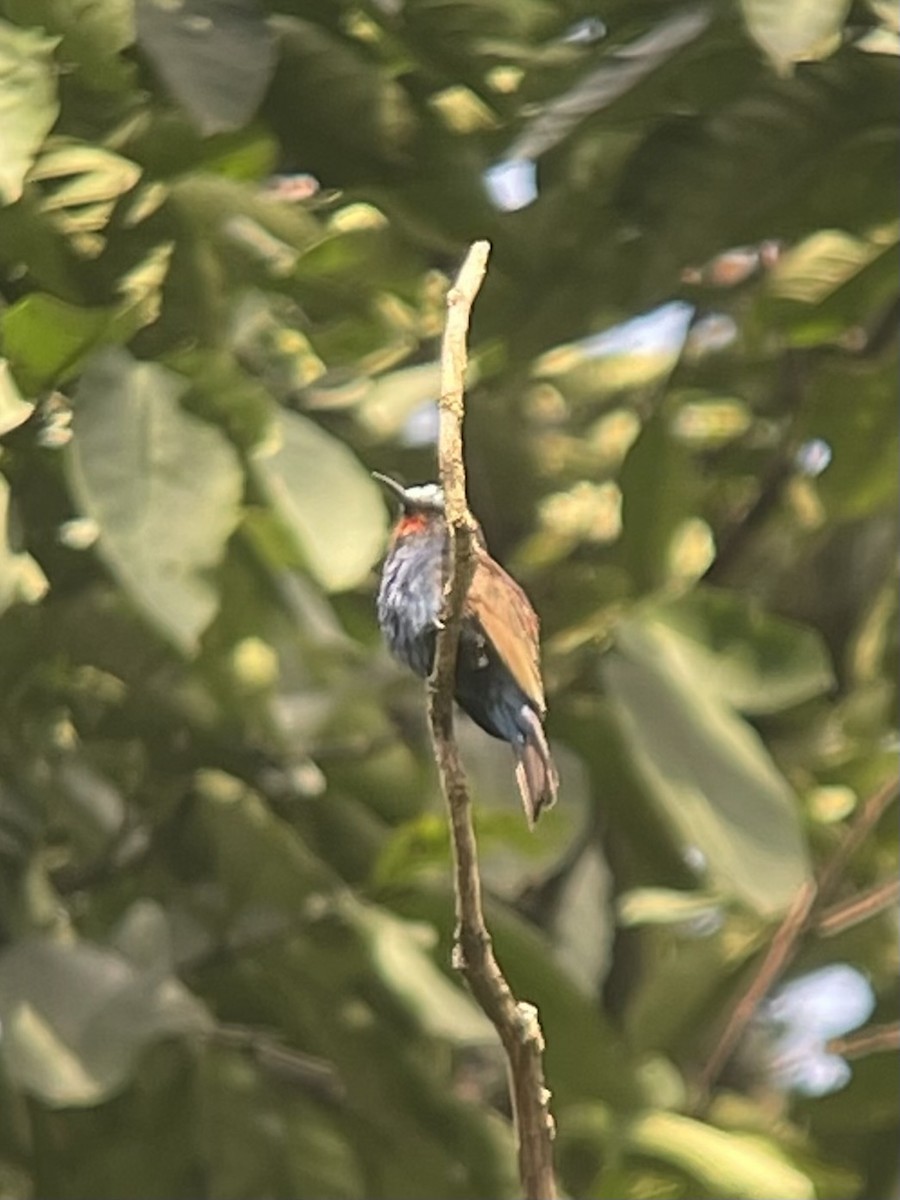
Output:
(873, 1039)
(780, 952)
(860, 342)
(733, 539)
(847, 913)
(865, 821)
(516, 1022)
(802, 916)
(314, 1075)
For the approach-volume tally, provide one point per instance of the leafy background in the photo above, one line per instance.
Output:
(225, 234)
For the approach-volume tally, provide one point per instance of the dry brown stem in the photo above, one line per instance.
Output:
(805, 914)
(516, 1022)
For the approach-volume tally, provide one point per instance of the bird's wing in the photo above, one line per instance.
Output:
(505, 614)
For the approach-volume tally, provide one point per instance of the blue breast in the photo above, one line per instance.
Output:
(409, 599)
(409, 604)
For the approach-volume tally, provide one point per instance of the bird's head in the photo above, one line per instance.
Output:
(421, 505)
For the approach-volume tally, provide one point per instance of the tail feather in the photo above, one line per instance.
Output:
(535, 772)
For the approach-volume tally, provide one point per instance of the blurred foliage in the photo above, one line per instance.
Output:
(225, 912)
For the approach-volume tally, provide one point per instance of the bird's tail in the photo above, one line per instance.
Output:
(535, 773)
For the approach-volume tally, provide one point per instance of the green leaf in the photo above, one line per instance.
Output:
(585, 1054)
(86, 183)
(728, 1164)
(658, 487)
(256, 1139)
(796, 31)
(92, 35)
(28, 104)
(674, 1005)
(323, 1158)
(30, 236)
(326, 500)
(75, 1017)
(756, 662)
(812, 271)
(853, 409)
(587, 377)
(262, 863)
(400, 958)
(333, 99)
(13, 409)
(94, 174)
(140, 289)
(583, 932)
(216, 59)
(392, 398)
(616, 75)
(831, 286)
(46, 339)
(664, 906)
(708, 770)
(722, 1163)
(21, 579)
(691, 183)
(163, 487)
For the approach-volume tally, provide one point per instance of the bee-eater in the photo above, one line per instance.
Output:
(498, 674)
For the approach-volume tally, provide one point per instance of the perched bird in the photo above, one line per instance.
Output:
(498, 674)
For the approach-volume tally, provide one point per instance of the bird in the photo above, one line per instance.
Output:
(498, 674)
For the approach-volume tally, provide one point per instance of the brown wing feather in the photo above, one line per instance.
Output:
(505, 614)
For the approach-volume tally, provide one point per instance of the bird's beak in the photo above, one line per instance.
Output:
(395, 488)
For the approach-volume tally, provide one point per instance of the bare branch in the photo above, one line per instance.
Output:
(778, 956)
(802, 916)
(844, 915)
(314, 1075)
(864, 822)
(516, 1022)
(872, 1039)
